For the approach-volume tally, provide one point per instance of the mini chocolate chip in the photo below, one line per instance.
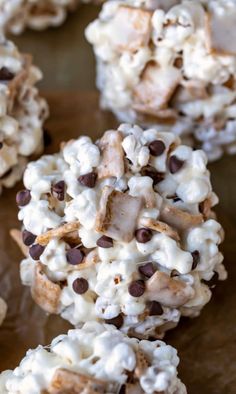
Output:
(6, 74)
(137, 288)
(88, 180)
(105, 242)
(47, 139)
(80, 285)
(152, 339)
(35, 251)
(122, 389)
(178, 63)
(147, 270)
(28, 238)
(116, 321)
(176, 199)
(213, 281)
(196, 259)
(23, 198)
(150, 171)
(59, 189)
(143, 235)
(1, 145)
(155, 308)
(175, 164)
(157, 147)
(74, 256)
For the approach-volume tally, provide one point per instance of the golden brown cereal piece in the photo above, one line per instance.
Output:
(205, 208)
(166, 290)
(117, 215)
(133, 388)
(112, 163)
(166, 116)
(141, 364)
(155, 89)
(160, 227)
(59, 232)
(181, 220)
(72, 238)
(220, 32)
(159, 332)
(133, 26)
(17, 236)
(44, 292)
(18, 81)
(69, 382)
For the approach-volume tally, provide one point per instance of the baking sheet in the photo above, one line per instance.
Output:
(207, 345)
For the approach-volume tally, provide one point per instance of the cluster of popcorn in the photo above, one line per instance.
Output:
(22, 112)
(96, 359)
(16, 15)
(172, 64)
(121, 231)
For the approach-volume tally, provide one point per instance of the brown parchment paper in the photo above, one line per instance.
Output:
(206, 345)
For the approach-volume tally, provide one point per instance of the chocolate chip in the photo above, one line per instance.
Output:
(80, 285)
(35, 251)
(147, 270)
(59, 189)
(137, 288)
(116, 321)
(155, 308)
(23, 198)
(152, 339)
(176, 199)
(178, 63)
(47, 139)
(1, 145)
(28, 238)
(88, 180)
(196, 258)
(143, 235)
(175, 164)
(213, 281)
(150, 171)
(105, 242)
(74, 256)
(157, 147)
(6, 74)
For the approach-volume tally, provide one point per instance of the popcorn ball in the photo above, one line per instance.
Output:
(22, 113)
(96, 359)
(171, 64)
(121, 231)
(16, 15)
